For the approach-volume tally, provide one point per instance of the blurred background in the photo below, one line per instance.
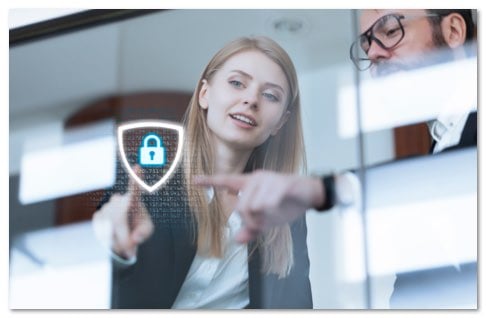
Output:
(75, 75)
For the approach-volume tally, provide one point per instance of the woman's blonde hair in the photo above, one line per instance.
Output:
(283, 152)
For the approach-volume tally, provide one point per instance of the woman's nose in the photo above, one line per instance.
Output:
(251, 99)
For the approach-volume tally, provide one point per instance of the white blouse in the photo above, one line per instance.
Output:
(210, 282)
(218, 282)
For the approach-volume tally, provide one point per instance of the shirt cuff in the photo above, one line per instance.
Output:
(102, 231)
(348, 189)
(123, 261)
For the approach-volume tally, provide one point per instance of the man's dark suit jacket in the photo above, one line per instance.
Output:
(163, 261)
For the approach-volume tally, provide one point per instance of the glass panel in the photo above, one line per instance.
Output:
(420, 207)
(401, 246)
(162, 52)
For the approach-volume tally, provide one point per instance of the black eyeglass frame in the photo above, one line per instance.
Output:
(372, 37)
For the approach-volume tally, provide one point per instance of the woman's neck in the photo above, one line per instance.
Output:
(228, 160)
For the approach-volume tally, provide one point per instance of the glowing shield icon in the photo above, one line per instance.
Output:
(156, 146)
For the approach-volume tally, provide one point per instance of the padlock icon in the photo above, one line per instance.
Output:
(151, 155)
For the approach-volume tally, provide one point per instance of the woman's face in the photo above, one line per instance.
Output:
(245, 100)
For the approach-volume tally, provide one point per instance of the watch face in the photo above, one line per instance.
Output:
(348, 189)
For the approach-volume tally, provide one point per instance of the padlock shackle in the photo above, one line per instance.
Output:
(149, 137)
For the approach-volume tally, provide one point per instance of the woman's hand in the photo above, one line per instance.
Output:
(123, 222)
(268, 199)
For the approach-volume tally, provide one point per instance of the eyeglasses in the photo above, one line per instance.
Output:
(387, 32)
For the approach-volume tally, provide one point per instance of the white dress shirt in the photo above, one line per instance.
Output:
(218, 282)
(447, 129)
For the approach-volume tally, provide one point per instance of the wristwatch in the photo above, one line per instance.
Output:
(340, 189)
(328, 182)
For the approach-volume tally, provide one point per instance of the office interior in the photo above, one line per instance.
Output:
(70, 88)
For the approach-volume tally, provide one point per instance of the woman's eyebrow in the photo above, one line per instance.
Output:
(251, 77)
(275, 86)
(242, 73)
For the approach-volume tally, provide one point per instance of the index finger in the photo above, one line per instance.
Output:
(133, 186)
(134, 189)
(231, 182)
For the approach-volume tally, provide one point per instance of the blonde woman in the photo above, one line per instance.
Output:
(244, 115)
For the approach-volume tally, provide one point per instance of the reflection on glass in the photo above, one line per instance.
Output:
(59, 268)
(421, 213)
(411, 97)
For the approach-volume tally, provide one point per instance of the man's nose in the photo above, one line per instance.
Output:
(376, 53)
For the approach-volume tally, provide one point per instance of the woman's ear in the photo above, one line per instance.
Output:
(454, 30)
(282, 121)
(202, 96)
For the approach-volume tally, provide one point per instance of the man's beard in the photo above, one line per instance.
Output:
(439, 52)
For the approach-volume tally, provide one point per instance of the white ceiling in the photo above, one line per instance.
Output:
(164, 50)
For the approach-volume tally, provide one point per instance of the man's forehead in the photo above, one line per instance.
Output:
(370, 16)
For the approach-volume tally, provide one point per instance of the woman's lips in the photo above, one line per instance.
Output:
(243, 120)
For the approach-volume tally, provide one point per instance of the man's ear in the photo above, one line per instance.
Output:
(283, 120)
(454, 30)
(202, 96)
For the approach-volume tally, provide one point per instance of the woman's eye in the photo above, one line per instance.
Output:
(271, 97)
(236, 83)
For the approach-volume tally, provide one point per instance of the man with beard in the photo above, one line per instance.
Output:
(399, 40)
(390, 41)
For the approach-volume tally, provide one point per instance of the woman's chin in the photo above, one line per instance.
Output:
(244, 144)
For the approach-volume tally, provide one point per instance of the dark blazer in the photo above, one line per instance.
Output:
(163, 261)
(469, 136)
